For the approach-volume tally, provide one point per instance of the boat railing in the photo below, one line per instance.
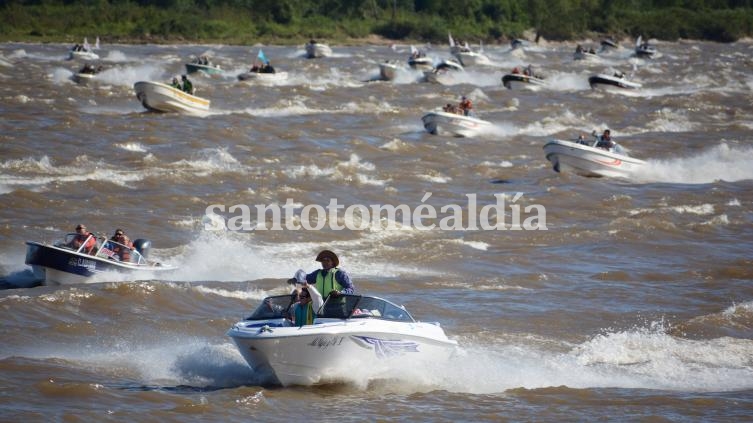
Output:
(344, 306)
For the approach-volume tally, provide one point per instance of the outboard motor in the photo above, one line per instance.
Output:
(142, 246)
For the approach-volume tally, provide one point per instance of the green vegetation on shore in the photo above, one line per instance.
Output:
(294, 21)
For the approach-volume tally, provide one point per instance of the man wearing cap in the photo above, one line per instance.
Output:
(330, 279)
(85, 238)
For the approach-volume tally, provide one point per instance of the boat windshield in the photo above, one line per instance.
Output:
(273, 307)
(361, 306)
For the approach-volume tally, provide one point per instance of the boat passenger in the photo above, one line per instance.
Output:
(465, 107)
(267, 68)
(85, 238)
(176, 83)
(515, 70)
(303, 312)
(605, 140)
(330, 279)
(123, 245)
(187, 85)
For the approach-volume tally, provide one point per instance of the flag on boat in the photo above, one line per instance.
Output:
(262, 57)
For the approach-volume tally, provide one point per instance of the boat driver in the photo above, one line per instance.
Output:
(330, 279)
(605, 140)
(85, 238)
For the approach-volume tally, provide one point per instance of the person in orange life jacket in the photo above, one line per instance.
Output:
(330, 280)
(303, 312)
(465, 106)
(124, 251)
(80, 239)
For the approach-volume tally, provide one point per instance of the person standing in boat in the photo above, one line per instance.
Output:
(303, 312)
(85, 238)
(330, 279)
(605, 140)
(465, 106)
(123, 245)
(187, 85)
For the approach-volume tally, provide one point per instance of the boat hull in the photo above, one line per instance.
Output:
(317, 50)
(83, 55)
(83, 78)
(518, 81)
(263, 77)
(339, 350)
(160, 97)
(471, 58)
(612, 83)
(442, 123)
(208, 69)
(568, 156)
(388, 71)
(61, 266)
(421, 63)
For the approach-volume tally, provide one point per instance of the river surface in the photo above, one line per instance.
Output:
(633, 300)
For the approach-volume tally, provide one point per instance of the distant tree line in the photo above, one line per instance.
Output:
(291, 21)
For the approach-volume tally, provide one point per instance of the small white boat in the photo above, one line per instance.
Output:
(263, 76)
(315, 50)
(86, 74)
(446, 123)
(608, 43)
(616, 82)
(419, 60)
(83, 78)
(465, 55)
(583, 54)
(517, 44)
(586, 159)
(443, 72)
(389, 69)
(644, 49)
(354, 338)
(59, 264)
(160, 97)
(84, 51)
(520, 80)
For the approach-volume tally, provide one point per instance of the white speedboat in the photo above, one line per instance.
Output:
(519, 80)
(608, 43)
(446, 123)
(84, 51)
(315, 50)
(419, 60)
(58, 264)
(86, 74)
(644, 49)
(160, 97)
(586, 159)
(616, 82)
(442, 73)
(263, 76)
(586, 55)
(354, 338)
(389, 69)
(465, 55)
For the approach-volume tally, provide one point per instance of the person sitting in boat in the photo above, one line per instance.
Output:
(582, 140)
(85, 238)
(267, 68)
(515, 71)
(303, 312)
(605, 140)
(330, 279)
(176, 83)
(579, 49)
(123, 245)
(465, 106)
(187, 85)
(528, 71)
